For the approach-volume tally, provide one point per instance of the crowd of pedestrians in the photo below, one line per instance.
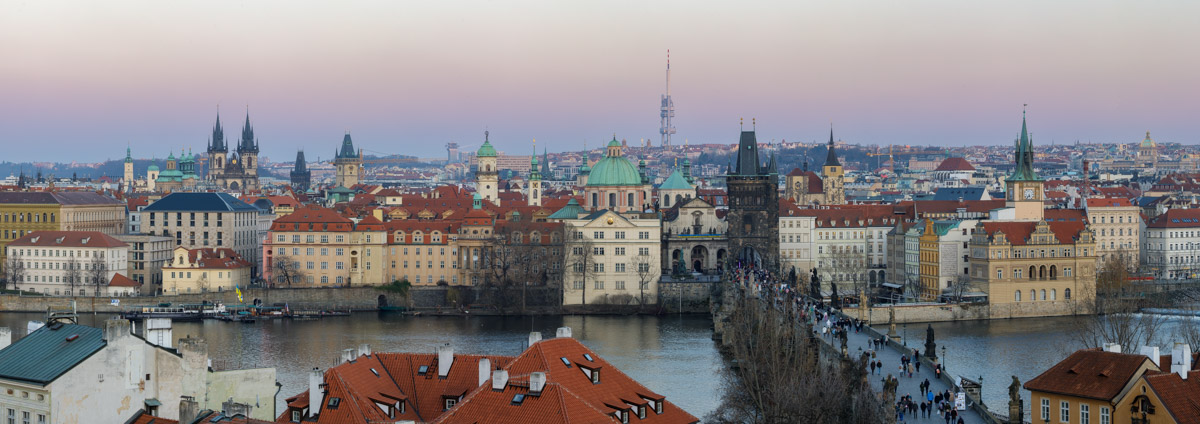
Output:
(828, 324)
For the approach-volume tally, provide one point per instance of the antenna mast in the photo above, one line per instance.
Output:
(667, 110)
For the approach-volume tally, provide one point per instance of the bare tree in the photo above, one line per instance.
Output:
(962, 286)
(646, 274)
(98, 271)
(287, 270)
(74, 275)
(845, 267)
(581, 261)
(782, 377)
(14, 270)
(1117, 319)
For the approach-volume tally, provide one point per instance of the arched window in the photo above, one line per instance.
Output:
(1033, 274)
(595, 200)
(1032, 295)
(612, 199)
(1043, 294)
(999, 274)
(1053, 294)
(1067, 294)
(1017, 296)
(631, 201)
(1053, 272)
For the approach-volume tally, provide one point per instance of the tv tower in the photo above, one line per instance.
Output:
(667, 111)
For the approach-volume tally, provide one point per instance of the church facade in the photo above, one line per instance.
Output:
(237, 172)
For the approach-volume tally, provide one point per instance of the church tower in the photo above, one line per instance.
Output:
(487, 177)
(248, 154)
(834, 178)
(348, 163)
(535, 179)
(217, 152)
(300, 176)
(129, 183)
(1024, 186)
(753, 207)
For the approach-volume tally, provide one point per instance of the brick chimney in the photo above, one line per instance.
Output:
(563, 332)
(445, 360)
(537, 382)
(485, 370)
(188, 408)
(499, 379)
(535, 337)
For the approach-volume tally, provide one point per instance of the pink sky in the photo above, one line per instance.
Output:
(406, 77)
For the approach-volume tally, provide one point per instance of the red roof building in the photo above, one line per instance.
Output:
(553, 381)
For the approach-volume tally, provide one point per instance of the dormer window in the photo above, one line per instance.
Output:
(624, 415)
(641, 411)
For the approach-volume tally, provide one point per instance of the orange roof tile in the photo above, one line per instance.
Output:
(1090, 373)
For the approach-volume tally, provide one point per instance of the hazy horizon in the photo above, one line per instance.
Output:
(88, 78)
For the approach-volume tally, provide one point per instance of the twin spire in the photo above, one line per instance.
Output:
(247, 144)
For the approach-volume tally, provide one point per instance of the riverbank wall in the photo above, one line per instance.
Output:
(939, 312)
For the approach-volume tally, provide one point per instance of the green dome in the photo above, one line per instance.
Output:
(486, 150)
(614, 171)
(614, 143)
(152, 167)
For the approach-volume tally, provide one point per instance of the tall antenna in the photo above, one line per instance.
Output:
(667, 110)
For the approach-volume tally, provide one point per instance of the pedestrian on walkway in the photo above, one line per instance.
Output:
(872, 368)
(918, 366)
(923, 409)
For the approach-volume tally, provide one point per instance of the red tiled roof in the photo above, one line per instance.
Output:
(955, 164)
(1173, 218)
(119, 280)
(144, 418)
(1018, 233)
(1108, 201)
(1090, 373)
(1180, 397)
(213, 258)
(67, 239)
(555, 404)
(312, 218)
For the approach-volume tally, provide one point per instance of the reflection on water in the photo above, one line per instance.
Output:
(671, 355)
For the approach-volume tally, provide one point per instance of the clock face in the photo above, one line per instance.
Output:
(1029, 194)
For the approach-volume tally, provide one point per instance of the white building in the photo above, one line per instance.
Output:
(1171, 244)
(69, 262)
(69, 373)
(610, 257)
(1117, 224)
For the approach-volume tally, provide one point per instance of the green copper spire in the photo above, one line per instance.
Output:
(1023, 169)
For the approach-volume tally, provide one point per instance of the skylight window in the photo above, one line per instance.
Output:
(423, 369)
(588, 356)
(374, 372)
(566, 361)
(518, 398)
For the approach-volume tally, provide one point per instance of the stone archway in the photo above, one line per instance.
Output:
(750, 257)
(381, 301)
(699, 258)
(233, 185)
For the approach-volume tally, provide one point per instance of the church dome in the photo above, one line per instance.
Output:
(152, 167)
(1148, 142)
(614, 169)
(486, 150)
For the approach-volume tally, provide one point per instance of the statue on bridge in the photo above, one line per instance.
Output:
(1016, 405)
(814, 285)
(834, 300)
(930, 345)
(792, 278)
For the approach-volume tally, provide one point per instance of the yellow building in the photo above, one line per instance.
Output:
(320, 248)
(1038, 268)
(1087, 387)
(205, 270)
(24, 212)
(930, 258)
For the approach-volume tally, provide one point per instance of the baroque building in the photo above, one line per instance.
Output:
(805, 187)
(614, 183)
(487, 174)
(753, 217)
(239, 172)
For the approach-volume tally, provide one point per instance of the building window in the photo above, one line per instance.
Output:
(1064, 411)
(1045, 409)
(1017, 296)
(450, 402)
(620, 285)
(1085, 414)
(578, 285)
(1067, 294)
(1105, 417)
(599, 285)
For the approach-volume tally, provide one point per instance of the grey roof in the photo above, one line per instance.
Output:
(957, 193)
(747, 155)
(200, 202)
(45, 354)
(62, 198)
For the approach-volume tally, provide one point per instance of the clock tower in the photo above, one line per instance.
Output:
(1024, 188)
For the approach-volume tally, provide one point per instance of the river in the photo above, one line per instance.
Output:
(672, 355)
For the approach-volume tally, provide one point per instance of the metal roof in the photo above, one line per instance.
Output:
(200, 202)
(45, 354)
(676, 181)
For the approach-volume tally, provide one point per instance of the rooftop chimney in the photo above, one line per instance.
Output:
(115, 329)
(158, 331)
(537, 382)
(315, 395)
(485, 370)
(188, 408)
(535, 337)
(499, 379)
(1112, 347)
(232, 409)
(5, 337)
(347, 355)
(1152, 353)
(445, 359)
(1181, 359)
(364, 350)
(563, 332)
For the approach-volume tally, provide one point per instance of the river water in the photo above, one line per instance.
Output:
(672, 355)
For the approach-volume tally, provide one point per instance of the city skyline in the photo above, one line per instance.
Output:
(408, 78)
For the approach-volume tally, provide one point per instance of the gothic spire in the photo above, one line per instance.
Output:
(248, 143)
(217, 142)
(831, 159)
